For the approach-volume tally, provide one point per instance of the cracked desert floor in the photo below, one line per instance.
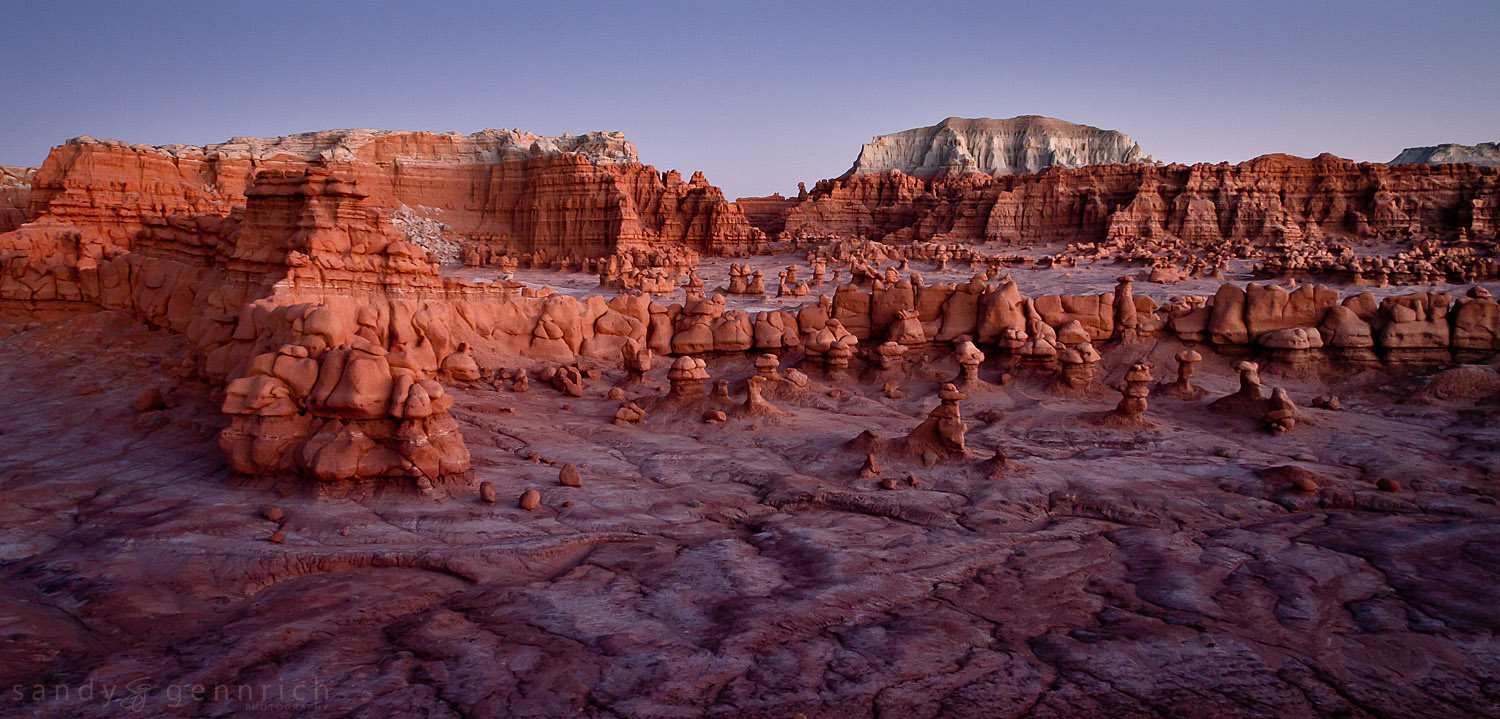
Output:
(746, 569)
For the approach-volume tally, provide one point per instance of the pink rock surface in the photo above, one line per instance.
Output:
(746, 569)
(275, 449)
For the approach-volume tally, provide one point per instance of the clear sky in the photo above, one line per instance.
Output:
(758, 96)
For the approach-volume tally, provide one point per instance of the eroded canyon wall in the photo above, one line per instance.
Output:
(15, 196)
(331, 334)
(331, 331)
(1271, 199)
(581, 196)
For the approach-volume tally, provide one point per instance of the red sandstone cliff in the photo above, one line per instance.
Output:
(767, 214)
(584, 196)
(15, 196)
(1264, 200)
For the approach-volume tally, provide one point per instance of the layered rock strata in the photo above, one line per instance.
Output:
(15, 196)
(1015, 146)
(583, 196)
(1484, 153)
(305, 305)
(1269, 200)
(329, 330)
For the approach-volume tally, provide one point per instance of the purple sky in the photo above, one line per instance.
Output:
(759, 96)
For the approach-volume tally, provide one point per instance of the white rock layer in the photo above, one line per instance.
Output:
(1017, 146)
(11, 176)
(1485, 153)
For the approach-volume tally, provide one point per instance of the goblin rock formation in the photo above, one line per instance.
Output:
(317, 314)
(1016, 146)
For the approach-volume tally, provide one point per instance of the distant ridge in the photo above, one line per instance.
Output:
(1485, 153)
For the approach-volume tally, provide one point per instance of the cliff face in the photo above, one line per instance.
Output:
(585, 195)
(1485, 153)
(15, 196)
(1017, 146)
(767, 214)
(1264, 200)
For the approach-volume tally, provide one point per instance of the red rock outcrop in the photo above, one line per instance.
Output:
(15, 196)
(309, 275)
(748, 570)
(1266, 200)
(338, 389)
(768, 214)
(281, 296)
(584, 196)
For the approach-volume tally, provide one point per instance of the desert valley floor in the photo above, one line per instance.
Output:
(1009, 420)
(746, 569)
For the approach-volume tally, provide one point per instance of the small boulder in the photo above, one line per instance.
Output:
(530, 499)
(568, 476)
(1298, 478)
(150, 400)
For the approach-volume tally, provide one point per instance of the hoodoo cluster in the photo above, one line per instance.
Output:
(331, 330)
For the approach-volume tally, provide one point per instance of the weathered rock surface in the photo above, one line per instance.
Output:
(307, 256)
(1271, 199)
(1485, 153)
(582, 196)
(732, 553)
(15, 196)
(767, 214)
(1015, 146)
(738, 571)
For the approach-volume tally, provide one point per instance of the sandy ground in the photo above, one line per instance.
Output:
(744, 569)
